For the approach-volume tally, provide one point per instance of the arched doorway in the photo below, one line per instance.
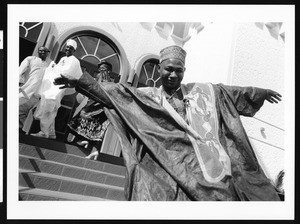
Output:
(31, 35)
(93, 47)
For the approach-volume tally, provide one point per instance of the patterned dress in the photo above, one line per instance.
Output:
(91, 122)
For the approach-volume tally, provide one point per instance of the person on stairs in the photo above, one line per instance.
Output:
(51, 95)
(31, 73)
(90, 124)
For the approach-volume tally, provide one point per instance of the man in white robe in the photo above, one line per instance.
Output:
(51, 95)
(31, 73)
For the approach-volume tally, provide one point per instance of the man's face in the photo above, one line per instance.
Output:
(69, 50)
(43, 53)
(103, 68)
(171, 73)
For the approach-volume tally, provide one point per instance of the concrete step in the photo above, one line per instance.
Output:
(66, 148)
(51, 182)
(35, 194)
(66, 170)
(70, 159)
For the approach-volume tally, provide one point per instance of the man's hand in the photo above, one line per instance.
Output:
(67, 82)
(272, 96)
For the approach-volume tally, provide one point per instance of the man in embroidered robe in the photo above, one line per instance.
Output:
(31, 73)
(51, 95)
(184, 142)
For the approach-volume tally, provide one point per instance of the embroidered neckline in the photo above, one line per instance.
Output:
(171, 96)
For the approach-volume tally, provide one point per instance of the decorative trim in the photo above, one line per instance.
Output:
(168, 29)
(276, 29)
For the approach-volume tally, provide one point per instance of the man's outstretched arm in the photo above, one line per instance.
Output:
(248, 100)
(85, 85)
(273, 96)
(65, 82)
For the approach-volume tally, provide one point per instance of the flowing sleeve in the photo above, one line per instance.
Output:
(87, 86)
(247, 100)
(23, 67)
(70, 67)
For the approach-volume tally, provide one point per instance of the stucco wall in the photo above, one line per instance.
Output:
(245, 54)
(208, 54)
(259, 61)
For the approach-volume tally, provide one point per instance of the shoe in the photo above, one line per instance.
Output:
(42, 135)
(93, 154)
(85, 144)
(70, 137)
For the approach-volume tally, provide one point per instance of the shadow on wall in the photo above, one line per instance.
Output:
(275, 29)
(117, 26)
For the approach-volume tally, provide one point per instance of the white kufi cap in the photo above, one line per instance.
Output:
(72, 43)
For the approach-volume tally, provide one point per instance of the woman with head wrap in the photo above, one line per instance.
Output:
(90, 123)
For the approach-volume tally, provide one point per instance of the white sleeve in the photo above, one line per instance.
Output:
(22, 69)
(71, 67)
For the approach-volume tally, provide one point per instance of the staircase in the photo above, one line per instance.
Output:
(51, 170)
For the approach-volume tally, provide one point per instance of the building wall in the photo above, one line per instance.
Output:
(259, 61)
(208, 54)
(245, 54)
(135, 39)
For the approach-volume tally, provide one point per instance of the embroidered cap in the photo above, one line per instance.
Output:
(72, 43)
(172, 52)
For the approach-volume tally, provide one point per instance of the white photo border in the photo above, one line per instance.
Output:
(146, 210)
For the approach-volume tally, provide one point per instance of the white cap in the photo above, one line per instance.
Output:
(72, 43)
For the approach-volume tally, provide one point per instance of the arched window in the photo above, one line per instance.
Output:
(149, 75)
(30, 31)
(91, 49)
(29, 34)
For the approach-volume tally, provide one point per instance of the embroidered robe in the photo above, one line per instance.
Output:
(160, 156)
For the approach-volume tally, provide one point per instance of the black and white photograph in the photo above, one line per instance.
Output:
(144, 112)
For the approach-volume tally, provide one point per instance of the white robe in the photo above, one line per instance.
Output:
(31, 72)
(51, 95)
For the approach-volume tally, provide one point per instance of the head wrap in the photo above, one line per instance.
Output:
(103, 62)
(172, 52)
(72, 43)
